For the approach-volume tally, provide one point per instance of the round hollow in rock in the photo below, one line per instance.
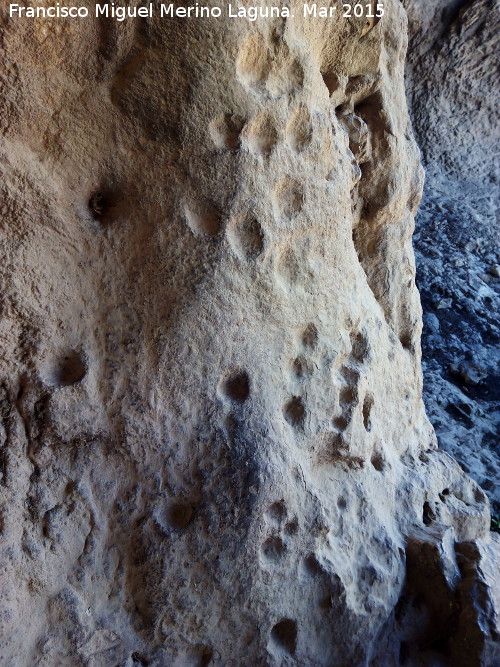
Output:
(310, 336)
(377, 462)
(331, 82)
(66, 369)
(178, 515)
(288, 197)
(299, 129)
(202, 218)
(246, 237)
(301, 367)
(341, 423)
(225, 131)
(284, 636)
(235, 386)
(100, 205)
(294, 411)
(253, 62)
(277, 512)
(261, 135)
(273, 549)
(367, 409)
(312, 566)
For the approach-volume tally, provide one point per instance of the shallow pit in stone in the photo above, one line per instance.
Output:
(340, 423)
(299, 129)
(246, 236)
(284, 636)
(202, 218)
(367, 409)
(225, 131)
(311, 566)
(310, 336)
(331, 81)
(235, 386)
(377, 462)
(65, 369)
(428, 514)
(276, 512)
(288, 198)
(301, 367)
(341, 503)
(295, 412)
(292, 527)
(178, 515)
(347, 397)
(273, 549)
(260, 135)
(102, 205)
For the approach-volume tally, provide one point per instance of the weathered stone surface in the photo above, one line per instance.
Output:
(214, 445)
(452, 85)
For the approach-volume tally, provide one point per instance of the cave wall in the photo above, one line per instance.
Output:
(452, 74)
(453, 93)
(214, 446)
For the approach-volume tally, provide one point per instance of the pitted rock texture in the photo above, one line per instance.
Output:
(453, 89)
(214, 448)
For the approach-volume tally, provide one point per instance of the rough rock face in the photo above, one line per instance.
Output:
(214, 447)
(452, 85)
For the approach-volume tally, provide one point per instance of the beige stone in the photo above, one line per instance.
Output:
(214, 446)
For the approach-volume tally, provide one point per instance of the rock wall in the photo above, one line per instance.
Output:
(452, 86)
(452, 73)
(214, 447)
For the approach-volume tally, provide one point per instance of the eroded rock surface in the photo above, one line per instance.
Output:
(214, 445)
(453, 88)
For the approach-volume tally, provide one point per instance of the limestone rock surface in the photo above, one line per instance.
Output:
(214, 448)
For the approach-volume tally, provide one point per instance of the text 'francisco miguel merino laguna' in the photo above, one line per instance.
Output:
(251, 13)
